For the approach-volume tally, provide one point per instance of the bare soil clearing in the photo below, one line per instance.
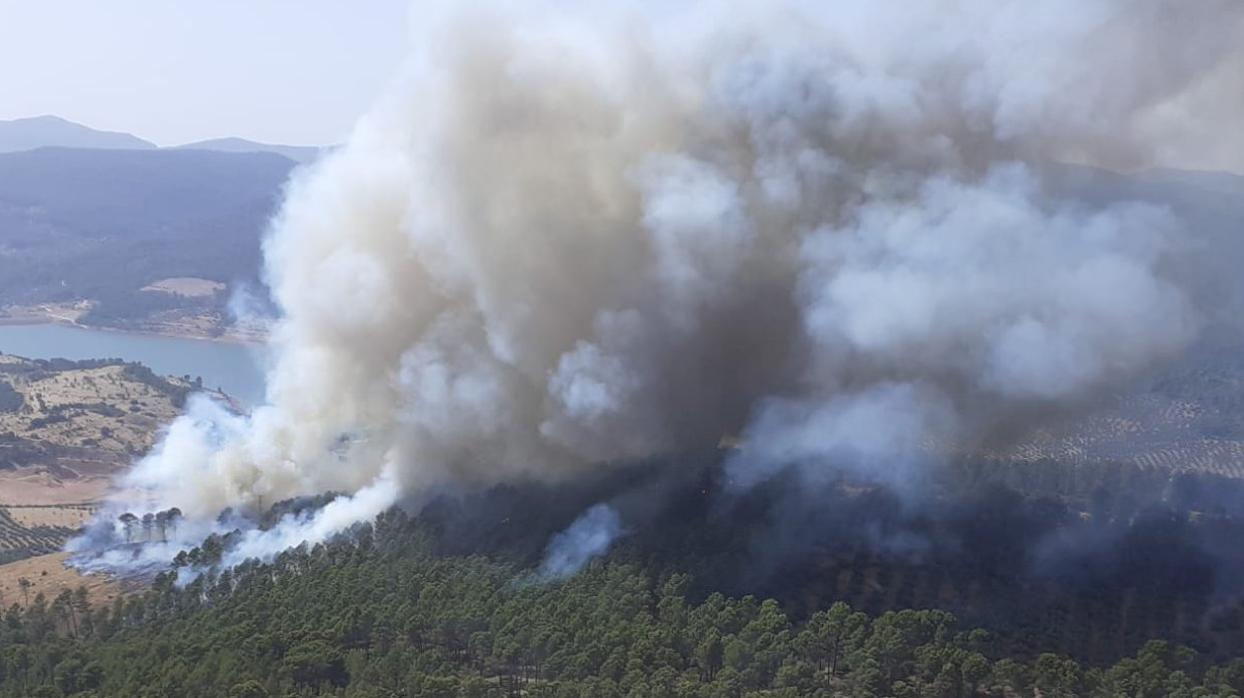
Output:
(189, 286)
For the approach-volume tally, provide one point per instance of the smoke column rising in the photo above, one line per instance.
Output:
(589, 536)
(570, 236)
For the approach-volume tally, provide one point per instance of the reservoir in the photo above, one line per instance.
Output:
(235, 368)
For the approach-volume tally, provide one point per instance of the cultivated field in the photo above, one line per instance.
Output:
(18, 540)
(1147, 432)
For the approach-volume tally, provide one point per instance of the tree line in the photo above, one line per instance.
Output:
(379, 613)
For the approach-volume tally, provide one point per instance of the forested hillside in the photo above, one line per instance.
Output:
(100, 225)
(382, 612)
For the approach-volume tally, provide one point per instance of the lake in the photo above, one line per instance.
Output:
(233, 367)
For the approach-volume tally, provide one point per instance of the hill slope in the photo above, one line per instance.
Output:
(66, 427)
(101, 225)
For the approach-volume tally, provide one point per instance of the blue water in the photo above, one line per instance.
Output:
(234, 368)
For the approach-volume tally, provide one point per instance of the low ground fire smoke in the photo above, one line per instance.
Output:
(571, 237)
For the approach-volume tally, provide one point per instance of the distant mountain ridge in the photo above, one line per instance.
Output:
(20, 135)
(42, 131)
(297, 153)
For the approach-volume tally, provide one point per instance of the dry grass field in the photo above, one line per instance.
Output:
(66, 515)
(66, 428)
(105, 414)
(48, 575)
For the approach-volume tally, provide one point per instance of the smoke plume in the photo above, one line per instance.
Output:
(569, 237)
(589, 536)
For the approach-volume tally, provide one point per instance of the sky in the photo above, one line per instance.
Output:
(176, 71)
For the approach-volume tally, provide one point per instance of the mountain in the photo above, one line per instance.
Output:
(40, 131)
(147, 194)
(297, 153)
(43, 131)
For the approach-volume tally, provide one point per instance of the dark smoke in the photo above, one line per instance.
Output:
(571, 238)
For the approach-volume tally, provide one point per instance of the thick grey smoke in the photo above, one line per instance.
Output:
(577, 236)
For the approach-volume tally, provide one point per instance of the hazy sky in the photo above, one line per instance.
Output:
(174, 71)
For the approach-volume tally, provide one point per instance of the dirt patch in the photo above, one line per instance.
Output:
(189, 286)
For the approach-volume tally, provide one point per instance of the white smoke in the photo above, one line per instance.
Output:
(589, 536)
(575, 236)
(249, 312)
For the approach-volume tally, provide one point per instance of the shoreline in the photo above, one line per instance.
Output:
(20, 320)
